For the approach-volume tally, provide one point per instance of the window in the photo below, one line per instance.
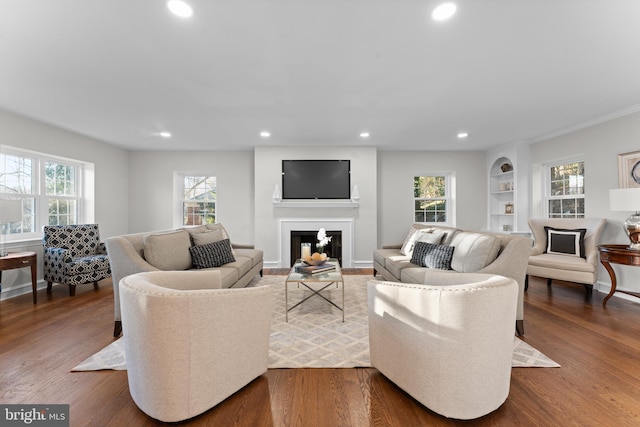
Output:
(48, 187)
(432, 200)
(565, 190)
(198, 202)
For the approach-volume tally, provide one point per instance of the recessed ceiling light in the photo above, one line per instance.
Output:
(364, 134)
(265, 134)
(463, 135)
(180, 8)
(443, 12)
(165, 134)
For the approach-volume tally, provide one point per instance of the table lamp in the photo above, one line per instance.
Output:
(10, 211)
(628, 199)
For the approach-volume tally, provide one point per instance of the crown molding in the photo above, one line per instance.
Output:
(588, 123)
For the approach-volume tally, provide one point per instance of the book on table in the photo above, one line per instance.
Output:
(312, 269)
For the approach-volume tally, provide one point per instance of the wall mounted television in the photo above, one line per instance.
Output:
(316, 179)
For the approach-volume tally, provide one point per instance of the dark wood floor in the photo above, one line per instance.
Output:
(597, 385)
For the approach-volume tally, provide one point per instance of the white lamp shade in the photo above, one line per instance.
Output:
(624, 199)
(10, 211)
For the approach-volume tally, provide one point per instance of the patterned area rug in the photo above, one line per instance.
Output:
(315, 336)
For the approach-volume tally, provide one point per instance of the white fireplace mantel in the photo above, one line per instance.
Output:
(344, 225)
(331, 204)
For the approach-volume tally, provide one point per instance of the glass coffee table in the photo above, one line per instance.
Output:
(316, 283)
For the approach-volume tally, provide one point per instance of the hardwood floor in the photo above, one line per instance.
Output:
(597, 385)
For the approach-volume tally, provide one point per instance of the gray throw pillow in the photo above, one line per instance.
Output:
(432, 256)
(212, 254)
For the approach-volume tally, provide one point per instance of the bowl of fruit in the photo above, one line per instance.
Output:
(315, 259)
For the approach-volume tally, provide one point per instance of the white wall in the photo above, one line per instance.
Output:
(395, 183)
(268, 173)
(111, 179)
(151, 195)
(599, 146)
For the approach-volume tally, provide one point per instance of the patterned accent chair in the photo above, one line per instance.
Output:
(73, 255)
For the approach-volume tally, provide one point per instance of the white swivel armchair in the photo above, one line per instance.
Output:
(450, 346)
(188, 346)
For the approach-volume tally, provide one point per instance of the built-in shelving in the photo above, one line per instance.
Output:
(502, 188)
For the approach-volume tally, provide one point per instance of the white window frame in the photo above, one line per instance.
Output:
(179, 200)
(548, 197)
(38, 188)
(449, 198)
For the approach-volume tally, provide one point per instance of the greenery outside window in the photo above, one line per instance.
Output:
(431, 199)
(565, 190)
(48, 188)
(198, 204)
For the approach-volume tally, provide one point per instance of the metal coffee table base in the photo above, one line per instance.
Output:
(314, 292)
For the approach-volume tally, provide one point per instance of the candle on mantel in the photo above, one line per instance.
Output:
(306, 250)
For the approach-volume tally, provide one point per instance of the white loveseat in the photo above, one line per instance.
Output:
(169, 250)
(474, 252)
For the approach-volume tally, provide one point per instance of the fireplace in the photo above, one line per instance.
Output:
(342, 225)
(333, 249)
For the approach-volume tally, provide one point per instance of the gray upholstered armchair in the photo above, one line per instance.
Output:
(73, 255)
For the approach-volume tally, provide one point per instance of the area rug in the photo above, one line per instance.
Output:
(315, 336)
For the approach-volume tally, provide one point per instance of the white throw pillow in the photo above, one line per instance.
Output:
(168, 251)
(410, 241)
(474, 251)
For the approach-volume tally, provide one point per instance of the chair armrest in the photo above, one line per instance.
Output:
(393, 246)
(51, 254)
(242, 246)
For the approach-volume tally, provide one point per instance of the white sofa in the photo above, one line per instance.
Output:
(474, 252)
(189, 346)
(562, 266)
(169, 250)
(448, 346)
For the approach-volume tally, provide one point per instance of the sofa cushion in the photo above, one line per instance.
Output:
(213, 254)
(207, 236)
(255, 255)
(168, 251)
(562, 241)
(242, 264)
(562, 262)
(432, 256)
(395, 264)
(473, 251)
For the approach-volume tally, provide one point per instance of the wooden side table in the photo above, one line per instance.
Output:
(20, 260)
(617, 254)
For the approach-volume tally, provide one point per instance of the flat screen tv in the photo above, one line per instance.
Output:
(316, 179)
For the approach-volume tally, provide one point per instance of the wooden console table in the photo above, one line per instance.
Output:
(618, 254)
(20, 260)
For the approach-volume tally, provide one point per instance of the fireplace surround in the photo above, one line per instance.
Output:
(342, 225)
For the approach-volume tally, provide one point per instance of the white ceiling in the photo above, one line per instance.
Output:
(318, 72)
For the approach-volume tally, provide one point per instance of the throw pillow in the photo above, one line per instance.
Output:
(206, 237)
(435, 236)
(565, 242)
(432, 256)
(168, 251)
(410, 240)
(212, 254)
